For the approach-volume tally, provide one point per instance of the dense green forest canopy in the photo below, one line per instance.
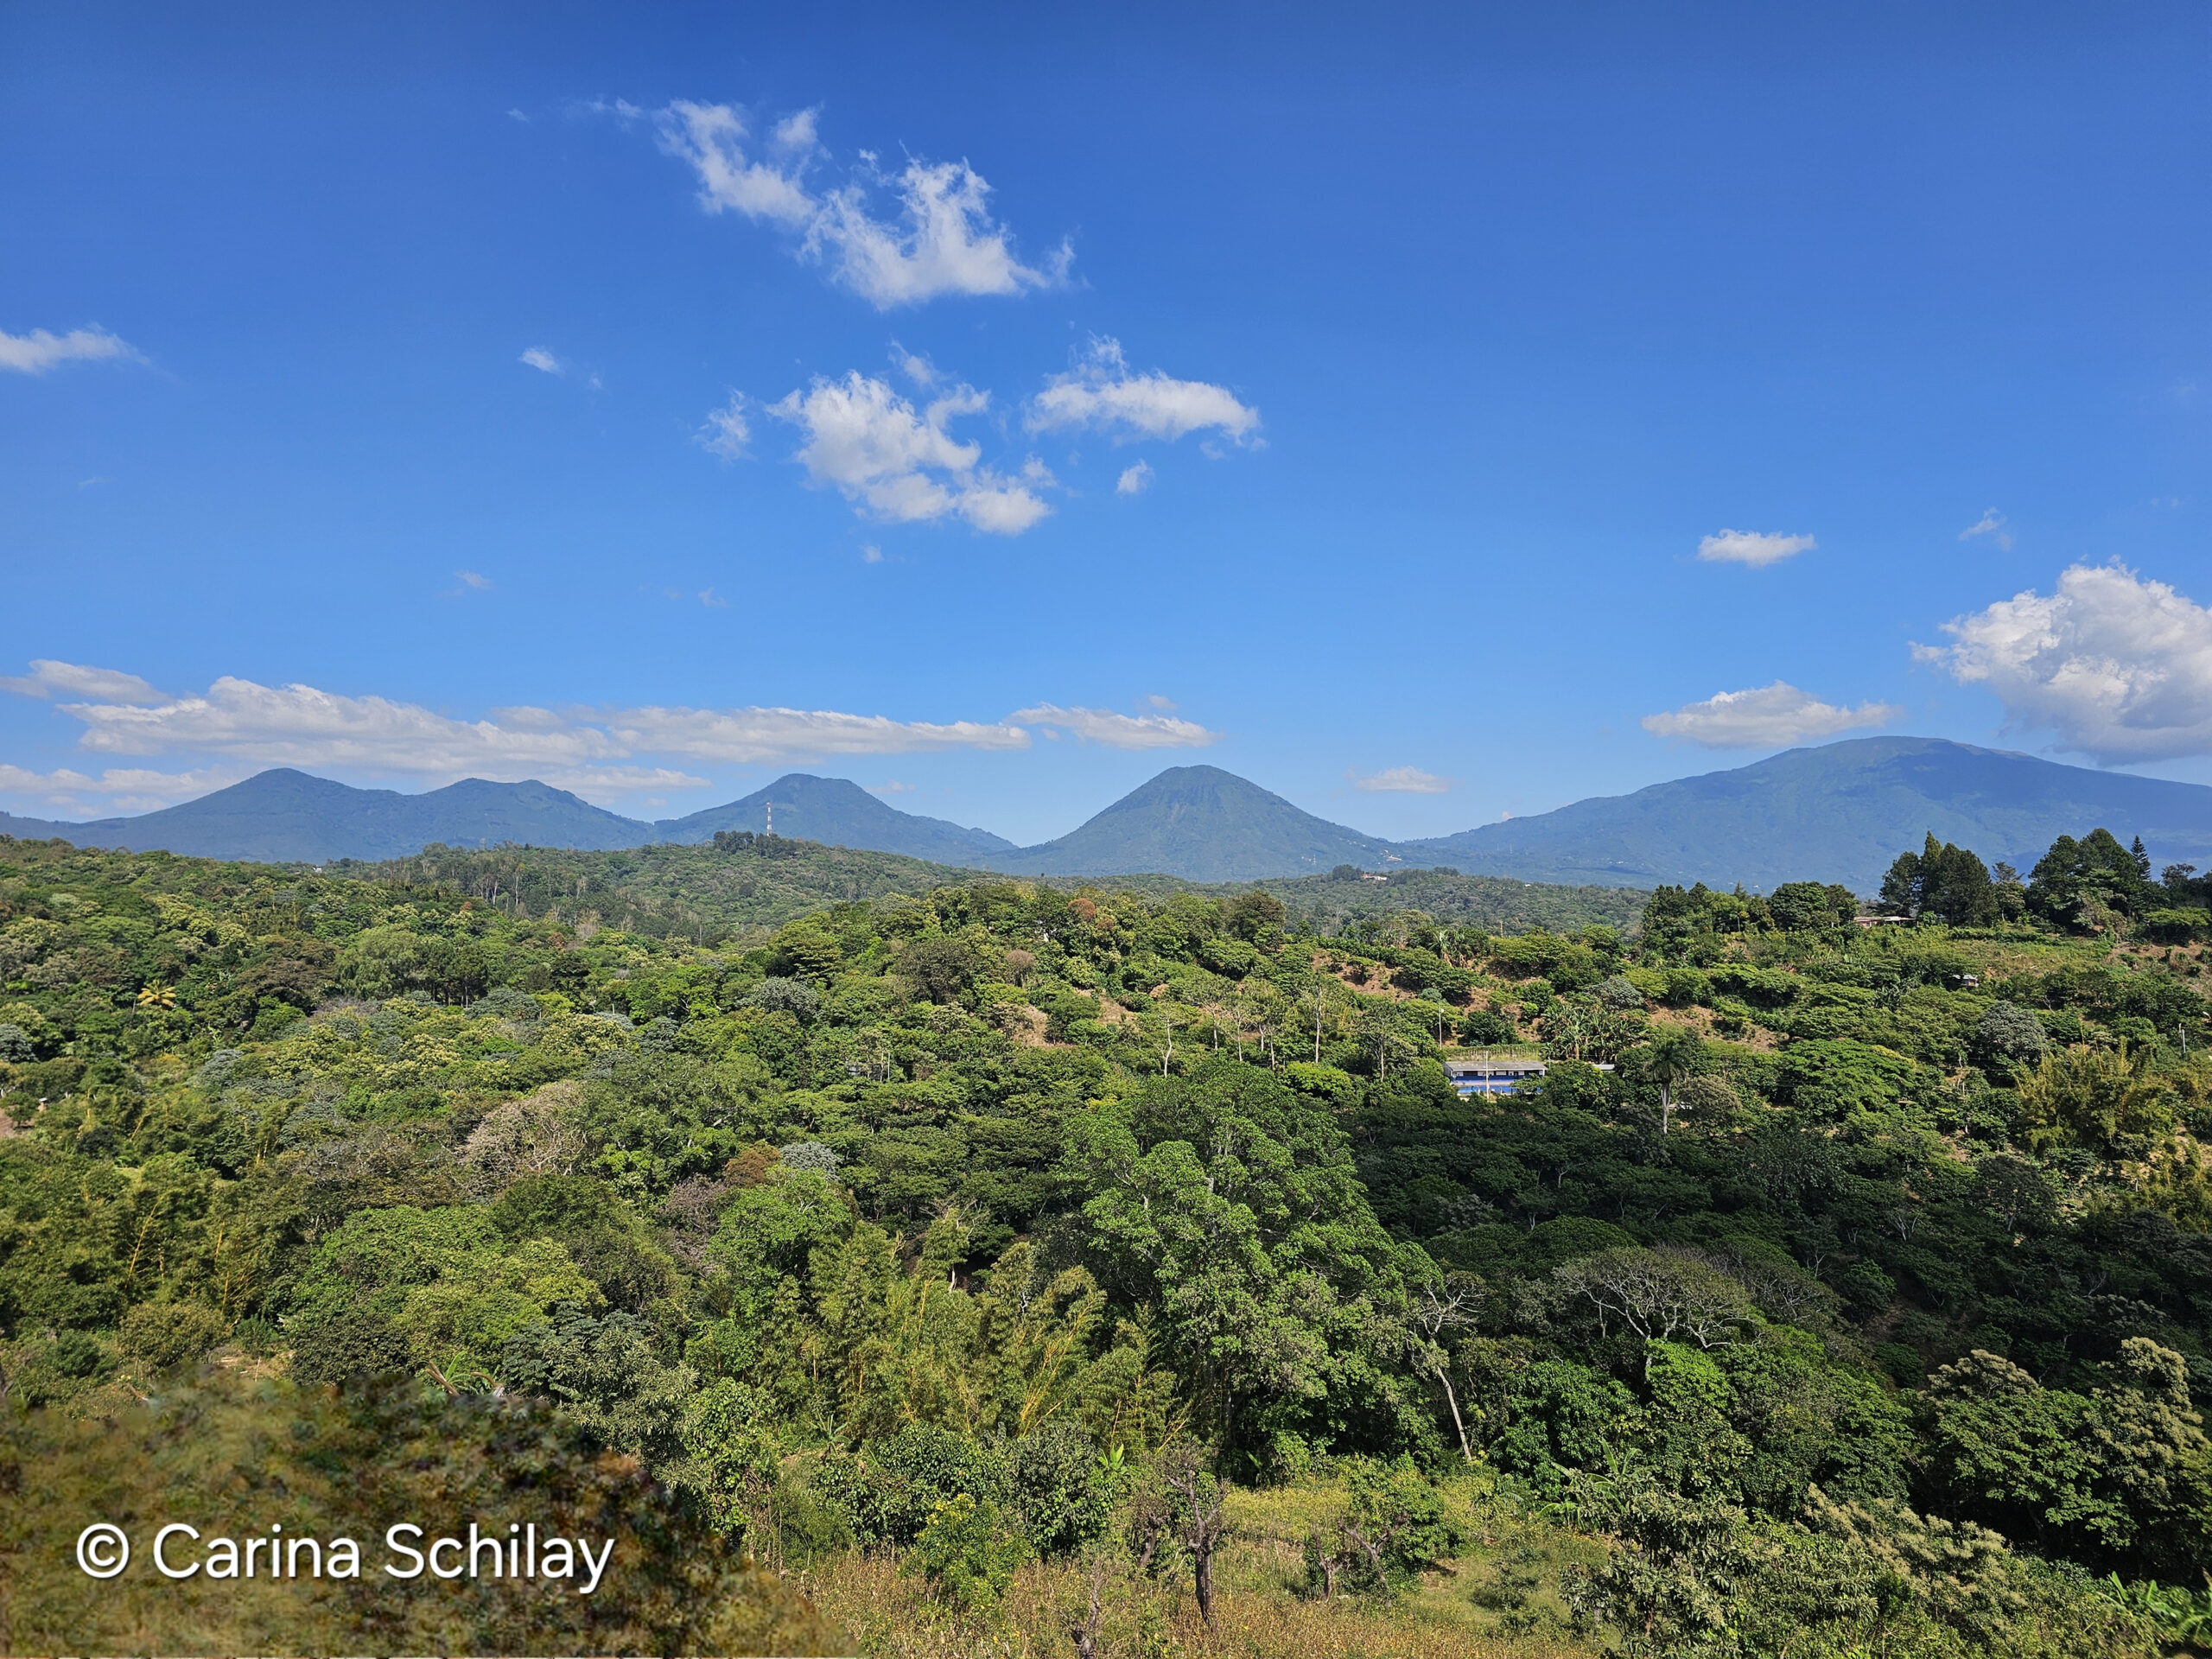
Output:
(741, 884)
(1844, 1273)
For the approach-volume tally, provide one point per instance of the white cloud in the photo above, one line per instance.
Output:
(944, 241)
(621, 109)
(39, 351)
(712, 138)
(871, 554)
(902, 465)
(1768, 717)
(117, 789)
(1404, 780)
(1122, 731)
(745, 735)
(1158, 701)
(604, 786)
(727, 431)
(2118, 667)
(49, 678)
(1753, 548)
(941, 240)
(1103, 394)
(891, 788)
(1991, 524)
(473, 581)
(543, 360)
(713, 600)
(915, 367)
(300, 726)
(1134, 480)
(238, 725)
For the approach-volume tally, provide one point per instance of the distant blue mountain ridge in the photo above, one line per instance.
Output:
(1837, 812)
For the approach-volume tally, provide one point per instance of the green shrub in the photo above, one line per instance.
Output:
(1392, 1528)
(351, 1349)
(1058, 1489)
(166, 1334)
(968, 1552)
(887, 1491)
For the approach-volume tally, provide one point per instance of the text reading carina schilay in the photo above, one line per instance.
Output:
(518, 1551)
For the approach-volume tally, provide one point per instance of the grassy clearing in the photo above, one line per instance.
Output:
(1498, 1600)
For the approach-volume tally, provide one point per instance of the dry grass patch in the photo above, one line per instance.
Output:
(1498, 1601)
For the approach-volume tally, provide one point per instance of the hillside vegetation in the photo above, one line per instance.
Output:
(994, 1266)
(1418, 898)
(742, 884)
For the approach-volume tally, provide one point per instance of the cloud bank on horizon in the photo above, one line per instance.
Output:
(601, 755)
(1403, 780)
(1768, 717)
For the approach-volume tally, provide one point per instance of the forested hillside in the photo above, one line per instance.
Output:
(735, 883)
(739, 885)
(1327, 904)
(996, 1266)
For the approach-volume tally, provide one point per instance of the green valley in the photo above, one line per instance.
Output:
(905, 1258)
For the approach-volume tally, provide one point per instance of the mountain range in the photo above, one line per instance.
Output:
(1838, 812)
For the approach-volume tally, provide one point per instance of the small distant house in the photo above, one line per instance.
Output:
(1491, 1075)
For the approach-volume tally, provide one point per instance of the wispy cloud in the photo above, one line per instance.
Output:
(116, 789)
(893, 788)
(1991, 523)
(543, 361)
(727, 432)
(1404, 780)
(713, 600)
(743, 736)
(915, 367)
(2118, 667)
(902, 464)
(237, 724)
(1116, 731)
(716, 140)
(940, 238)
(1754, 548)
(606, 785)
(39, 351)
(1767, 718)
(1134, 480)
(1102, 393)
(49, 678)
(304, 726)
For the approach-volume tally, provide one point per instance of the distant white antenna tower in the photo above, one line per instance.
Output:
(771, 820)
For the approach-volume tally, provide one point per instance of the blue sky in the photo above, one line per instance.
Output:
(1429, 413)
